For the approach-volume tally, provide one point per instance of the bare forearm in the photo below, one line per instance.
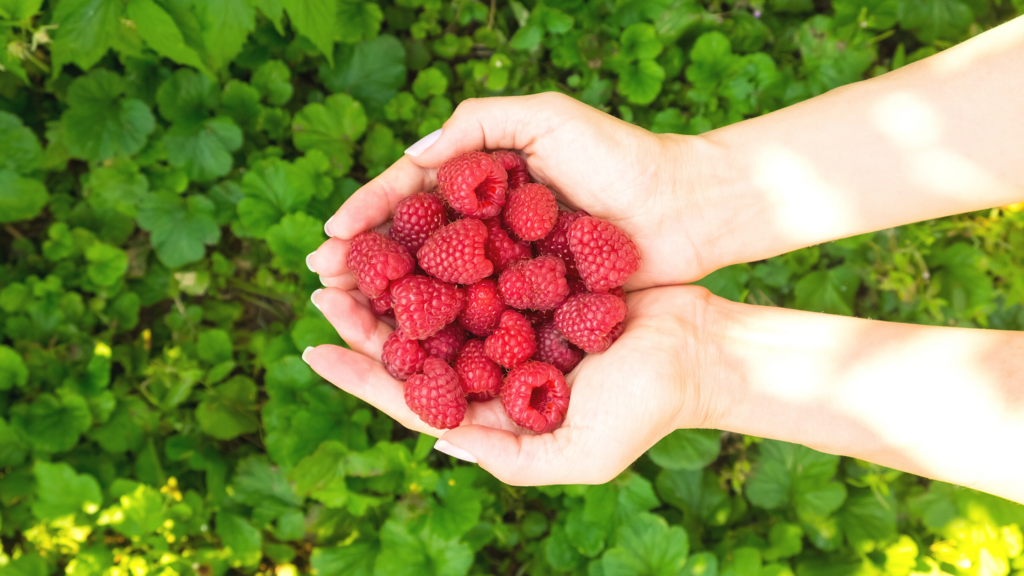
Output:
(946, 403)
(939, 137)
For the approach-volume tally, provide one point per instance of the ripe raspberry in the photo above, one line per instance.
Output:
(479, 375)
(381, 305)
(483, 308)
(554, 349)
(501, 249)
(424, 305)
(436, 395)
(474, 184)
(416, 218)
(577, 286)
(537, 284)
(535, 396)
(455, 253)
(538, 317)
(616, 332)
(401, 356)
(605, 256)
(514, 166)
(556, 243)
(587, 320)
(531, 211)
(513, 342)
(376, 259)
(446, 343)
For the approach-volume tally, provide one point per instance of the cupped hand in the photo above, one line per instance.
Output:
(638, 180)
(623, 400)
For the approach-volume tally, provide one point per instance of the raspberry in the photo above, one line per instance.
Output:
(556, 243)
(424, 305)
(473, 184)
(455, 253)
(605, 256)
(554, 349)
(381, 305)
(376, 259)
(537, 284)
(446, 343)
(416, 218)
(483, 308)
(576, 286)
(587, 320)
(501, 249)
(514, 166)
(513, 342)
(479, 375)
(436, 395)
(616, 332)
(535, 396)
(531, 211)
(401, 356)
(538, 317)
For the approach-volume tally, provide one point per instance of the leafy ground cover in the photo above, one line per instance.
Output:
(166, 165)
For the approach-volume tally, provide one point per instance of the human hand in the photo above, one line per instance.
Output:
(638, 180)
(624, 400)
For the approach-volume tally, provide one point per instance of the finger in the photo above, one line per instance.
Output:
(374, 203)
(330, 258)
(367, 380)
(511, 122)
(355, 322)
(344, 282)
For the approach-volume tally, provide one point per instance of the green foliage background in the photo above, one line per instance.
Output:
(166, 165)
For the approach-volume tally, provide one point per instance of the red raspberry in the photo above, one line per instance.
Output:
(401, 356)
(531, 211)
(513, 342)
(554, 349)
(535, 396)
(374, 260)
(416, 218)
(576, 286)
(483, 308)
(424, 305)
(556, 243)
(538, 317)
(446, 343)
(473, 184)
(501, 249)
(537, 284)
(479, 375)
(436, 395)
(514, 166)
(604, 254)
(455, 253)
(616, 332)
(381, 305)
(587, 320)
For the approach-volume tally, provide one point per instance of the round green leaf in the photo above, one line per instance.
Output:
(20, 198)
(686, 449)
(99, 124)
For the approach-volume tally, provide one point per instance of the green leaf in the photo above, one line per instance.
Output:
(321, 475)
(294, 237)
(273, 10)
(315, 19)
(868, 519)
(588, 537)
(646, 545)
(20, 151)
(273, 189)
(87, 28)
(186, 97)
(729, 282)
(162, 34)
(332, 127)
(13, 450)
(52, 423)
(203, 150)
(118, 186)
(696, 492)
(214, 346)
(20, 9)
(871, 14)
(429, 82)
(61, 491)
(107, 264)
(406, 554)
(351, 560)
(20, 198)
(229, 409)
(791, 473)
(640, 42)
(358, 20)
(373, 72)
(960, 271)
(13, 371)
(179, 227)
(314, 331)
(273, 80)
(830, 291)
(933, 20)
(686, 449)
(225, 25)
(141, 509)
(640, 83)
(830, 61)
(242, 103)
(701, 564)
(380, 150)
(99, 124)
(243, 543)
(786, 541)
(457, 505)
(126, 427)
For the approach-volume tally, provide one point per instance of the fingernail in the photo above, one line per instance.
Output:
(452, 450)
(322, 280)
(312, 297)
(308, 265)
(421, 146)
(305, 354)
(327, 230)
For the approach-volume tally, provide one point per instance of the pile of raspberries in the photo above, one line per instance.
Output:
(495, 291)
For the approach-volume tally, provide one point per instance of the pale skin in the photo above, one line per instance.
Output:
(939, 137)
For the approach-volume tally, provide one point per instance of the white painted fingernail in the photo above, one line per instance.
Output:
(322, 280)
(327, 229)
(421, 146)
(308, 265)
(312, 297)
(305, 354)
(452, 450)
